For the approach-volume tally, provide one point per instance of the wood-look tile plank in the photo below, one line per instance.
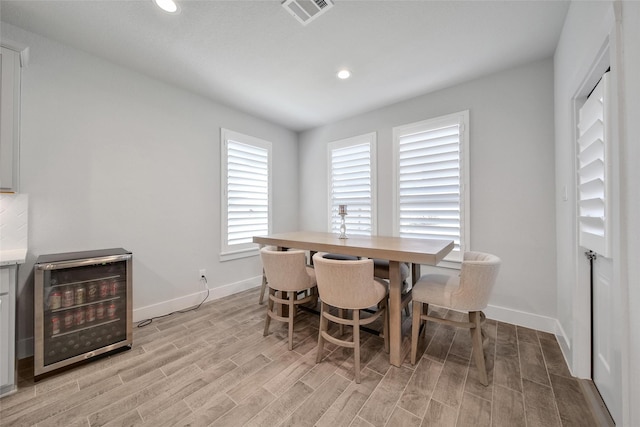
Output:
(243, 412)
(224, 381)
(474, 411)
(281, 408)
(401, 418)
(440, 343)
(215, 406)
(168, 416)
(289, 376)
(417, 394)
(380, 405)
(347, 406)
(129, 419)
(439, 414)
(527, 335)
(508, 408)
(113, 397)
(553, 357)
(246, 387)
(572, 405)
(359, 422)
(532, 366)
(323, 397)
(540, 405)
(450, 385)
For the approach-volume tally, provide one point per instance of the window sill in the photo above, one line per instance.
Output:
(240, 253)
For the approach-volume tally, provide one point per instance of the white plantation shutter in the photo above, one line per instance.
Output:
(430, 181)
(352, 184)
(246, 184)
(593, 158)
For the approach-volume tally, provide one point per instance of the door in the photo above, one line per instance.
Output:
(595, 169)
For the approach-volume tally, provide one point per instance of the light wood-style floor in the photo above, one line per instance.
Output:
(214, 367)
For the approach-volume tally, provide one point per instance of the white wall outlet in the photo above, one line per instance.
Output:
(203, 273)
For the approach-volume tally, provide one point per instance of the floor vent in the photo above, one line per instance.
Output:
(306, 11)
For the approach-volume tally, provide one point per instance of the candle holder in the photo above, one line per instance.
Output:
(342, 211)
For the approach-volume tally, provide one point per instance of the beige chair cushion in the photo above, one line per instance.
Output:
(348, 284)
(469, 291)
(287, 270)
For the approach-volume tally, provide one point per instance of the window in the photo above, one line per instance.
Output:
(246, 189)
(352, 183)
(431, 188)
(593, 170)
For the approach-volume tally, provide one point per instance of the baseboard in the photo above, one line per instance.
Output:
(522, 318)
(194, 299)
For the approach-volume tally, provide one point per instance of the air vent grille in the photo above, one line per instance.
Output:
(306, 11)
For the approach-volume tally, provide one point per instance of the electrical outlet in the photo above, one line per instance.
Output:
(203, 273)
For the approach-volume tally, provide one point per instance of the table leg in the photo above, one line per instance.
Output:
(395, 314)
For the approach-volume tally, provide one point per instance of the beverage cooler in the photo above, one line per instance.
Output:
(83, 306)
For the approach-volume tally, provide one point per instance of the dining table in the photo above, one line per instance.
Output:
(396, 250)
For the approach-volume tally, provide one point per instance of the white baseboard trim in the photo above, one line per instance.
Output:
(194, 299)
(522, 318)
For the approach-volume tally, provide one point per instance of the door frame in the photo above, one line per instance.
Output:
(607, 56)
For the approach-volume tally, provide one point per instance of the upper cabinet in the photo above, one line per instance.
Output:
(10, 120)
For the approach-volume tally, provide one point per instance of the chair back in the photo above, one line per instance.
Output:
(286, 270)
(477, 277)
(347, 284)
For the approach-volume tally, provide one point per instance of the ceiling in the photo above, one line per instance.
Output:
(254, 56)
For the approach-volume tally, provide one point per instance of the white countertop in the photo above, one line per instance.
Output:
(12, 256)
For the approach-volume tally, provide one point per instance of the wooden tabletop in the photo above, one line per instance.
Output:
(417, 251)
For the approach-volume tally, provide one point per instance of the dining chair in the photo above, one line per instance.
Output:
(381, 271)
(287, 273)
(468, 292)
(349, 285)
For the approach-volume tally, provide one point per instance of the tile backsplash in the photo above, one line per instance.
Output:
(13, 221)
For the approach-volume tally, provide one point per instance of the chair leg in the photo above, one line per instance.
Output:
(267, 320)
(263, 287)
(291, 316)
(356, 343)
(341, 313)
(323, 327)
(385, 324)
(478, 348)
(415, 329)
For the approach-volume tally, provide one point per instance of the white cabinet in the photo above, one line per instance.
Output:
(9, 120)
(8, 279)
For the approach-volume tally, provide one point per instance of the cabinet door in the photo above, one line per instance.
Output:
(9, 119)
(6, 365)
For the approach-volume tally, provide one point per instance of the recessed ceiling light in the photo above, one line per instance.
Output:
(343, 74)
(168, 6)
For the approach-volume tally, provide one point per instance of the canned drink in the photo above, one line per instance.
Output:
(100, 311)
(68, 319)
(67, 297)
(79, 317)
(55, 325)
(92, 291)
(104, 289)
(113, 288)
(55, 300)
(111, 311)
(91, 314)
(80, 295)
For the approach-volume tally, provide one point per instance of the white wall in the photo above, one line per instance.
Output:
(112, 158)
(631, 213)
(512, 179)
(589, 28)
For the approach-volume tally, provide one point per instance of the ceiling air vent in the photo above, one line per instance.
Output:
(306, 11)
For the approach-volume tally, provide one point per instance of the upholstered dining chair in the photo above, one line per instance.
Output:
(288, 273)
(467, 292)
(349, 285)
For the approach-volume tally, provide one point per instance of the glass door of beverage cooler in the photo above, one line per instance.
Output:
(83, 308)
